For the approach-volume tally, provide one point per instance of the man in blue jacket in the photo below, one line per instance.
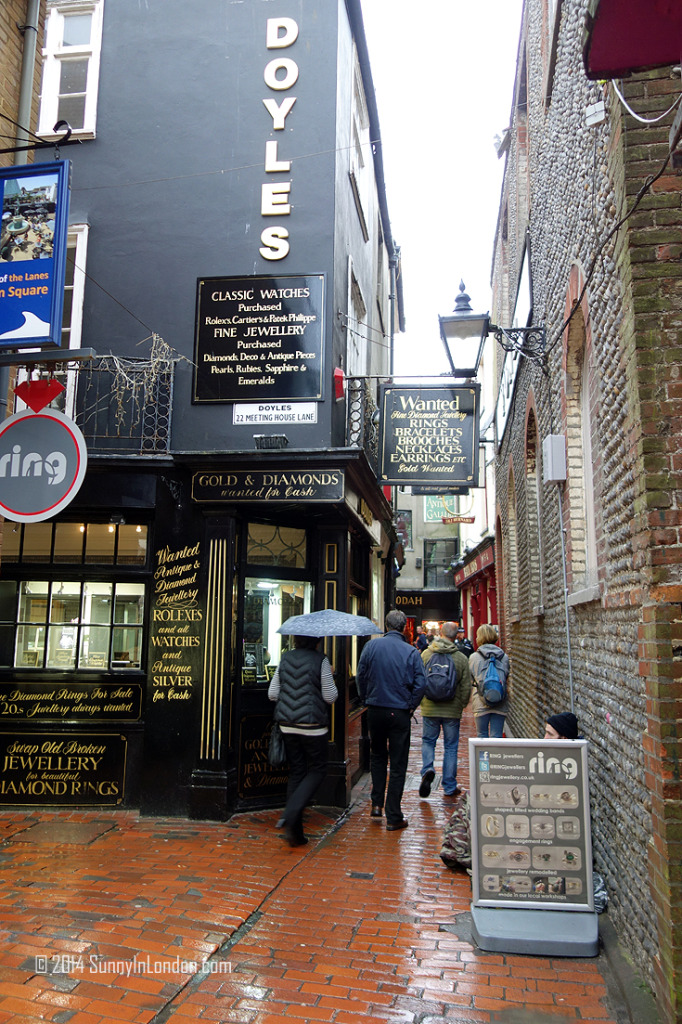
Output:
(391, 682)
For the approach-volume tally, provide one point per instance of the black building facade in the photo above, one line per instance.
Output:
(232, 248)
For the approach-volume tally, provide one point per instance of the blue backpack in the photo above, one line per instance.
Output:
(493, 688)
(441, 678)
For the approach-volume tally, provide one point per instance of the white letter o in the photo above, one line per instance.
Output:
(291, 73)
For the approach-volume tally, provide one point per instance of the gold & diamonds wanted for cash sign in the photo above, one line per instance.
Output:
(429, 435)
(530, 824)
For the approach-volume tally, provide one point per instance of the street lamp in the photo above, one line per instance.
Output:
(464, 334)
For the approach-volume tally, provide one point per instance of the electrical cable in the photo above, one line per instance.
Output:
(638, 117)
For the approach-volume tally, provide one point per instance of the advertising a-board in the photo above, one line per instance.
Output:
(530, 825)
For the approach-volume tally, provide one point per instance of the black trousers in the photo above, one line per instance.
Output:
(389, 743)
(307, 757)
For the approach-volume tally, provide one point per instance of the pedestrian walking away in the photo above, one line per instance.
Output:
(391, 682)
(443, 715)
(462, 643)
(489, 717)
(303, 686)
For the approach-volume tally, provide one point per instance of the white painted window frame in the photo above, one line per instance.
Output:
(53, 56)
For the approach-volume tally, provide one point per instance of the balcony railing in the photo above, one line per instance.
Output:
(362, 427)
(124, 406)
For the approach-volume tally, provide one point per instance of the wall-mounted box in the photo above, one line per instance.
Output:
(554, 459)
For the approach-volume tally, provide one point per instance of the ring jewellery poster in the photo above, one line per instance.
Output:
(530, 824)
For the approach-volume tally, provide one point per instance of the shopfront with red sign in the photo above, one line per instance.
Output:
(477, 583)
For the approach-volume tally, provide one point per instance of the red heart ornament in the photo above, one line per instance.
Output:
(38, 393)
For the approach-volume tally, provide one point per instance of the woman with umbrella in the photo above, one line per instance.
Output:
(303, 687)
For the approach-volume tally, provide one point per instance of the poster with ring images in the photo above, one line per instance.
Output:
(530, 824)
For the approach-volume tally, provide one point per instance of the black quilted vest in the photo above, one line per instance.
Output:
(300, 700)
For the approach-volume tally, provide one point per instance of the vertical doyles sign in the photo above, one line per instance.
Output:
(530, 824)
(429, 435)
(33, 238)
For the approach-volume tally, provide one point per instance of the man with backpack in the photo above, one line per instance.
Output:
(448, 688)
(490, 670)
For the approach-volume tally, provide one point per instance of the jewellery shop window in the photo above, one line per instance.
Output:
(68, 624)
(269, 601)
(72, 624)
(267, 604)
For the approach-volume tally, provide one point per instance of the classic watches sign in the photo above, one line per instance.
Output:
(259, 338)
(429, 435)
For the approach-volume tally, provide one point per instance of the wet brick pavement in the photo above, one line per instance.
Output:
(107, 916)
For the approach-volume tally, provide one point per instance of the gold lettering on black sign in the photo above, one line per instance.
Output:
(68, 770)
(176, 623)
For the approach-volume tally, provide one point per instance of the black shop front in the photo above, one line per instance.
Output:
(139, 633)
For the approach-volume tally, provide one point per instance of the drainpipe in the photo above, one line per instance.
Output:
(28, 67)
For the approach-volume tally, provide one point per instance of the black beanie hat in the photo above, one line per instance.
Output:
(566, 724)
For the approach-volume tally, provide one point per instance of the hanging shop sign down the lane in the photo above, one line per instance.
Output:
(429, 436)
(259, 339)
(34, 211)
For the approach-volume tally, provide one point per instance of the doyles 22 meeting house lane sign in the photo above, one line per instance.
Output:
(34, 203)
(429, 435)
(43, 459)
(259, 339)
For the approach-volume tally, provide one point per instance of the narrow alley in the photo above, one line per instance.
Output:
(109, 916)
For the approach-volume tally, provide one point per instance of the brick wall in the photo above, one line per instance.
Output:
(13, 14)
(625, 621)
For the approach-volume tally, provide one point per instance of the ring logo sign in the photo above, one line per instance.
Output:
(538, 766)
(43, 459)
(280, 75)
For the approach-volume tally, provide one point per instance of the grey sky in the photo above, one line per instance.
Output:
(443, 73)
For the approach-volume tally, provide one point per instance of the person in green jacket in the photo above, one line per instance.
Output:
(444, 715)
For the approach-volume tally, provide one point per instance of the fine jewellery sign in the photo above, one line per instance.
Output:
(259, 339)
(530, 824)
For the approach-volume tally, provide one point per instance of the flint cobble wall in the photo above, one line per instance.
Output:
(624, 621)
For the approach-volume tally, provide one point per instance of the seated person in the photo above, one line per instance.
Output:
(562, 727)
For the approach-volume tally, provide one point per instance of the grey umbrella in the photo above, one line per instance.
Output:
(328, 623)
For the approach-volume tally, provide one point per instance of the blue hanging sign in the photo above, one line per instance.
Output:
(33, 238)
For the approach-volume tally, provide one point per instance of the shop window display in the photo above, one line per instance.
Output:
(267, 604)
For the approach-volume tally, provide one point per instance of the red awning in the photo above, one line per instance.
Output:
(622, 36)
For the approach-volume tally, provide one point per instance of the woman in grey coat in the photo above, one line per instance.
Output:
(489, 719)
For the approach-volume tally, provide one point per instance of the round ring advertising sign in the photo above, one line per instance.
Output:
(43, 459)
